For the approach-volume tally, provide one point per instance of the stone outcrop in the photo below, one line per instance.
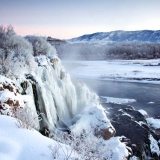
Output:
(9, 97)
(106, 133)
(93, 119)
(132, 124)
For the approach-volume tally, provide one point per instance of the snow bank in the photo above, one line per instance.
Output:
(151, 103)
(115, 149)
(25, 144)
(155, 123)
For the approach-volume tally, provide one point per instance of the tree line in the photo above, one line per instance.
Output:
(109, 51)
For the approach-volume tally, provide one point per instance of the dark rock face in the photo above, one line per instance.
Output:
(132, 124)
(24, 86)
(46, 132)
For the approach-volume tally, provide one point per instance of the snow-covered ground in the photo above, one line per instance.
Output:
(147, 71)
(22, 144)
(18, 144)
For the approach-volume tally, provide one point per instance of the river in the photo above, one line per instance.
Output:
(143, 93)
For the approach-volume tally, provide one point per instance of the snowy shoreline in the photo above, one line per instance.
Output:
(139, 71)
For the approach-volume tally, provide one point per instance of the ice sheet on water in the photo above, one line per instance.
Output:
(117, 100)
(155, 123)
(143, 112)
(130, 70)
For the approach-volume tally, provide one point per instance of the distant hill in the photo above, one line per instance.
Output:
(143, 36)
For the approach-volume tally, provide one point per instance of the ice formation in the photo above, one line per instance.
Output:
(49, 90)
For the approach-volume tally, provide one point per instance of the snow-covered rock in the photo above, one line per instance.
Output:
(10, 97)
(93, 119)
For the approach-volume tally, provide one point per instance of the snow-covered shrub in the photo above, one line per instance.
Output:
(10, 41)
(68, 153)
(41, 46)
(87, 146)
(5, 34)
(26, 118)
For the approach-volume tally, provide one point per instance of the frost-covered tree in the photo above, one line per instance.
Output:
(5, 37)
(41, 46)
(16, 52)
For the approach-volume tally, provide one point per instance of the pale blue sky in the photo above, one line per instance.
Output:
(71, 18)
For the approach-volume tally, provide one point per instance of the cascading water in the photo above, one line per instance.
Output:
(55, 96)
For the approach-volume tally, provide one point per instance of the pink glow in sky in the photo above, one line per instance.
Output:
(71, 18)
(56, 31)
